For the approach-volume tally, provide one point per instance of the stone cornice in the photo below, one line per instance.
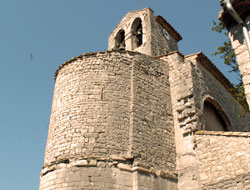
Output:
(223, 133)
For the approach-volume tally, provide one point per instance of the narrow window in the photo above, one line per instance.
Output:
(137, 33)
(212, 118)
(120, 40)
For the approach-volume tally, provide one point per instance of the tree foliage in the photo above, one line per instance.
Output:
(226, 52)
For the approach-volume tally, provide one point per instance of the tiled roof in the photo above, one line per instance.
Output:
(242, 7)
(168, 27)
(170, 53)
(205, 62)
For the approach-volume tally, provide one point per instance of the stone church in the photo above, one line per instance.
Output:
(143, 116)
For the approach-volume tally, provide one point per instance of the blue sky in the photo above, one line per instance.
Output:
(37, 36)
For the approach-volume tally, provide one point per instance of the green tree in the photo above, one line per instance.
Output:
(227, 53)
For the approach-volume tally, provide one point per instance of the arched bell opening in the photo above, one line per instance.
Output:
(120, 40)
(137, 33)
(214, 119)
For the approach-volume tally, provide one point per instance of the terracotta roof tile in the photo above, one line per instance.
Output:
(205, 62)
(242, 7)
(168, 27)
(169, 53)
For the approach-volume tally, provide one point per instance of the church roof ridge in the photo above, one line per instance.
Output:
(146, 8)
(210, 66)
(169, 27)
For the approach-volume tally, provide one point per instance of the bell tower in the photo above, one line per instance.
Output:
(236, 17)
(111, 124)
(143, 32)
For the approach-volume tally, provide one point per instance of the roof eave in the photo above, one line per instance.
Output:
(168, 27)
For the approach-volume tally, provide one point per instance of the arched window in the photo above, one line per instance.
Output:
(137, 33)
(120, 40)
(213, 120)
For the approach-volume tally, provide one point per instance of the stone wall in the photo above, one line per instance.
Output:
(103, 178)
(91, 106)
(81, 178)
(242, 55)
(193, 80)
(211, 85)
(126, 24)
(185, 119)
(160, 45)
(111, 110)
(153, 131)
(154, 42)
(224, 159)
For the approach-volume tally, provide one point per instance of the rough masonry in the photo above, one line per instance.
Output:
(142, 116)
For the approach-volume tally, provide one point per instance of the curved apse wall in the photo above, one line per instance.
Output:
(90, 108)
(110, 110)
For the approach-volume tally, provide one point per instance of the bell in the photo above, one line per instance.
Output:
(139, 32)
(122, 46)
